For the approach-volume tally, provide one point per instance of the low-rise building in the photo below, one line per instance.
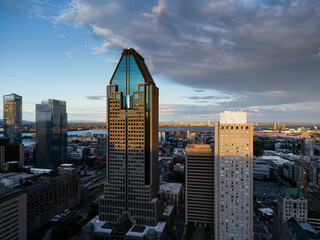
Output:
(291, 203)
(261, 169)
(172, 191)
(298, 229)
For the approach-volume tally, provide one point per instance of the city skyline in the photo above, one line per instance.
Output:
(258, 56)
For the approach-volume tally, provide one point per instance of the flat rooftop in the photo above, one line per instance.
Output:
(174, 188)
(200, 146)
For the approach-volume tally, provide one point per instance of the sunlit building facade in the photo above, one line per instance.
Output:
(12, 117)
(51, 133)
(233, 177)
(132, 181)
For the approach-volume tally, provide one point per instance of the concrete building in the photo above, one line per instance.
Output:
(49, 197)
(12, 117)
(51, 133)
(200, 184)
(13, 179)
(298, 229)
(13, 215)
(315, 171)
(10, 153)
(288, 170)
(172, 191)
(291, 203)
(261, 169)
(233, 183)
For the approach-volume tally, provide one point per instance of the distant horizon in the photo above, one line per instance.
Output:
(178, 122)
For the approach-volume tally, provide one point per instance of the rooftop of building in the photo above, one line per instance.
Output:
(199, 146)
(174, 188)
(302, 229)
(168, 209)
(134, 231)
(291, 192)
(265, 157)
(266, 211)
(147, 230)
(9, 194)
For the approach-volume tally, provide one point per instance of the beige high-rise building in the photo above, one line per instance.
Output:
(233, 177)
(199, 184)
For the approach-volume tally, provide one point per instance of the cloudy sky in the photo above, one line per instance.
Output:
(261, 56)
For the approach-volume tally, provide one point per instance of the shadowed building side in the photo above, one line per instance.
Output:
(200, 184)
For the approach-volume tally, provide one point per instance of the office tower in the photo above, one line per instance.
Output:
(199, 184)
(132, 180)
(233, 177)
(12, 117)
(102, 145)
(51, 133)
(13, 217)
(10, 153)
(290, 203)
(308, 149)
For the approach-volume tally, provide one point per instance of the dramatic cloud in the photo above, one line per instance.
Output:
(259, 54)
(233, 46)
(95, 97)
(207, 97)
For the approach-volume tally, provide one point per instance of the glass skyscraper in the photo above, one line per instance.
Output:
(51, 133)
(12, 117)
(132, 181)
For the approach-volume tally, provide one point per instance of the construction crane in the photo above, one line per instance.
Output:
(303, 169)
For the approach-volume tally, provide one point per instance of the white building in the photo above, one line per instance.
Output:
(233, 177)
(291, 203)
(261, 169)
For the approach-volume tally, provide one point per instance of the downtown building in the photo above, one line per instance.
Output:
(12, 118)
(13, 216)
(200, 190)
(11, 149)
(51, 134)
(233, 183)
(291, 203)
(132, 206)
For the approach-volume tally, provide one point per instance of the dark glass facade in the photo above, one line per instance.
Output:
(132, 144)
(51, 133)
(12, 117)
